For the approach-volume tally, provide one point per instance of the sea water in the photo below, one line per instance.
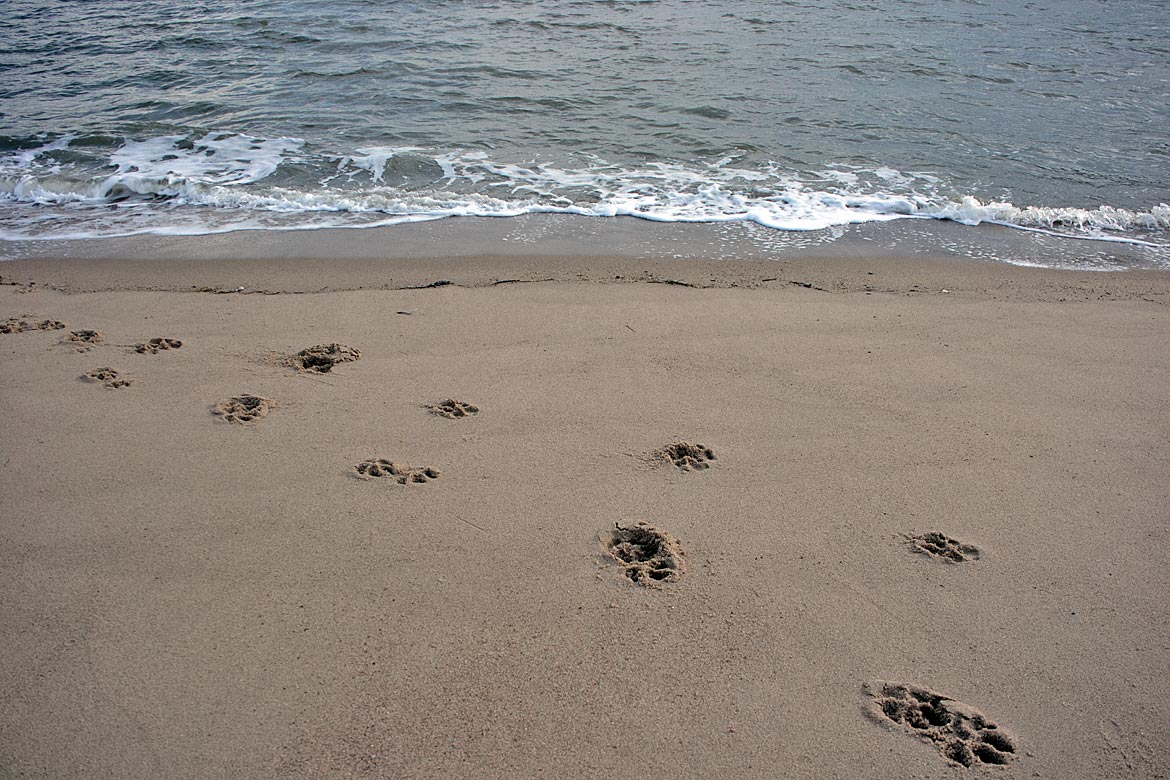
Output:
(1049, 118)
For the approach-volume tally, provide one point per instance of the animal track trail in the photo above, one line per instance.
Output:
(382, 468)
(648, 555)
(962, 734)
(938, 545)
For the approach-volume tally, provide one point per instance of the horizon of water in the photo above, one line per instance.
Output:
(130, 117)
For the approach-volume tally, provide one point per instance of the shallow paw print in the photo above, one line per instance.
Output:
(84, 340)
(244, 408)
(453, 409)
(107, 377)
(156, 345)
(379, 468)
(27, 322)
(939, 545)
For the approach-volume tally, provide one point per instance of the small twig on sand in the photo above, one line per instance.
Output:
(473, 525)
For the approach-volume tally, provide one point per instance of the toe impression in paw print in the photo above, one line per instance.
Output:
(688, 456)
(27, 322)
(243, 408)
(107, 377)
(453, 409)
(962, 734)
(323, 357)
(156, 345)
(648, 555)
(939, 545)
(378, 468)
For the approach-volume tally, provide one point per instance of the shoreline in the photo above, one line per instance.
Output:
(559, 247)
(192, 598)
(916, 276)
(871, 259)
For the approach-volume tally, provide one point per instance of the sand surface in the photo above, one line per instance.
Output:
(183, 596)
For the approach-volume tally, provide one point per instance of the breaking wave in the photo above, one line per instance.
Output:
(75, 187)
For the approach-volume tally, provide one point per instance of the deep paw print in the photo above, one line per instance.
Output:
(939, 545)
(962, 734)
(453, 409)
(108, 377)
(323, 357)
(244, 408)
(157, 345)
(375, 468)
(648, 555)
(21, 324)
(688, 456)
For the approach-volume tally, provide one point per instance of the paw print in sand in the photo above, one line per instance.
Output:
(108, 377)
(84, 340)
(939, 545)
(323, 357)
(688, 456)
(20, 325)
(86, 336)
(648, 555)
(244, 408)
(376, 468)
(453, 409)
(157, 345)
(962, 734)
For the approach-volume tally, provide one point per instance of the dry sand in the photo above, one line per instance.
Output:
(183, 596)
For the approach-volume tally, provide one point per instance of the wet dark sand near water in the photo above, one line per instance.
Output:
(190, 597)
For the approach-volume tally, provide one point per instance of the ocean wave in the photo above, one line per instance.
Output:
(171, 183)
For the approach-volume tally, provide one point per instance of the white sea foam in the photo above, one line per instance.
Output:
(223, 181)
(25, 158)
(171, 165)
(373, 159)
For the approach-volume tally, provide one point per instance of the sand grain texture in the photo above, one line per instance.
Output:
(183, 600)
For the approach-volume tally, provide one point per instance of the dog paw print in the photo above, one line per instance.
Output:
(962, 734)
(381, 468)
(647, 555)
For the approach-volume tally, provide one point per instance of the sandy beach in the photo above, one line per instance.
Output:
(186, 596)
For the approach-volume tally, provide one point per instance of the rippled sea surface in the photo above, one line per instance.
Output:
(127, 117)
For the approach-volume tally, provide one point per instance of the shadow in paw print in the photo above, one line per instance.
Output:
(243, 408)
(939, 545)
(453, 409)
(323, 357)
(962, 734)
(375, 468)
(648, 555)
(157, 345)
(688, 456)
(108, 377)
